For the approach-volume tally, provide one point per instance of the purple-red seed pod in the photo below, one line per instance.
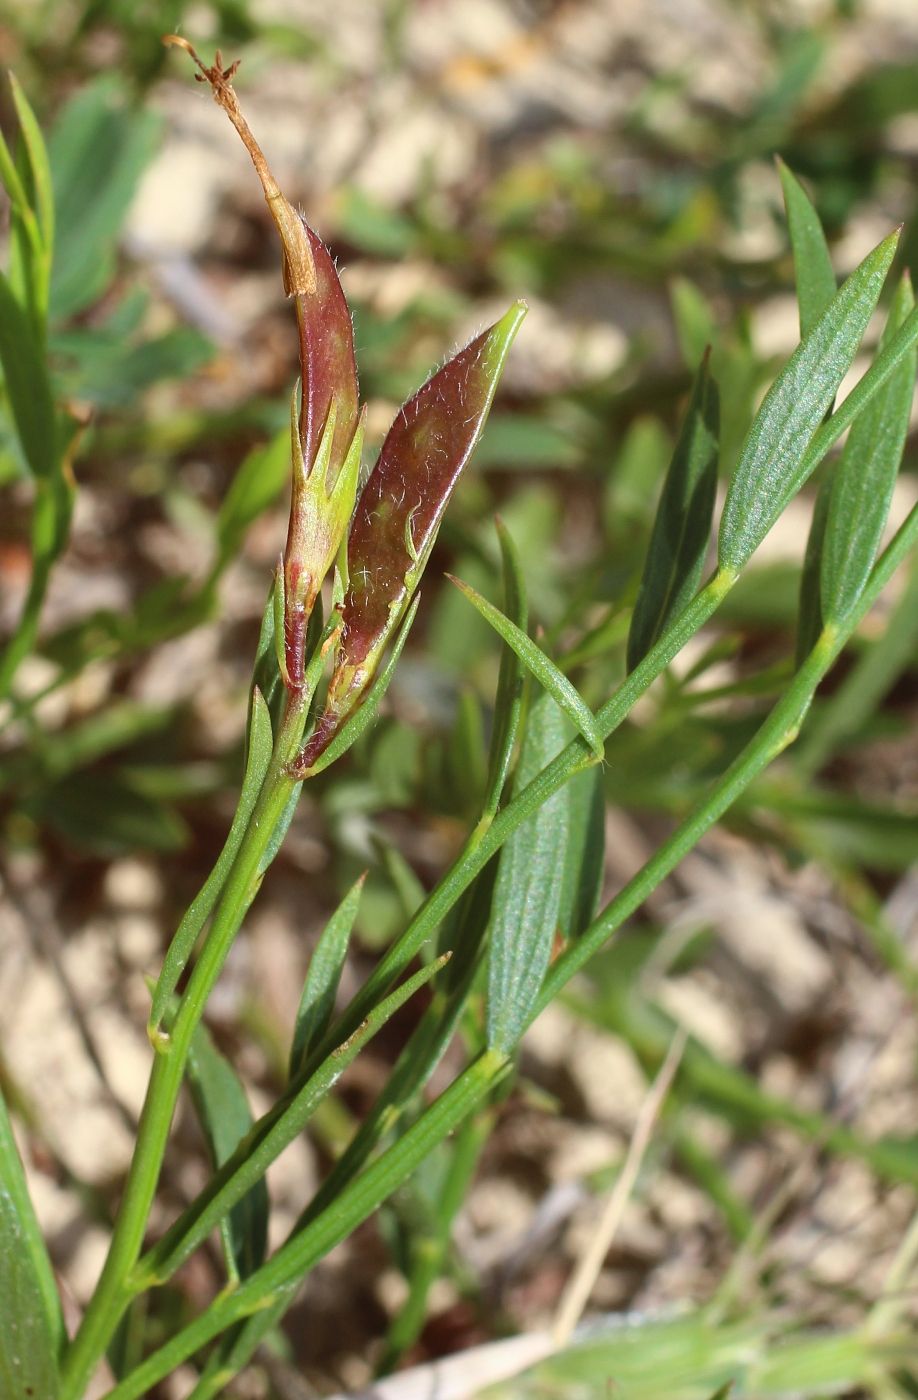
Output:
(400, 510)
(320, 509)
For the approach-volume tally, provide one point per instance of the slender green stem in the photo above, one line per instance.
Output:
(300, 1253)
(50, 520)
(272, 1287)
(489, 836)
(114, 1291)
(263, 1143)
(778, 731)
(872, 676)
(429, 1249)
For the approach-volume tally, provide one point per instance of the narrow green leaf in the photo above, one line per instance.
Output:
(11, 180)
(31, 1327)
(401, 876)
(813, 271)
(509, 699)
(682, 528)
(38, 163)
(318, 1000)
(224, 1113)
(541, 666)
(774, 462)
(584, 855)
(865, 476)
(695, 324)
(27, 385)
(527, 891)
(260, 742)
(809, 620)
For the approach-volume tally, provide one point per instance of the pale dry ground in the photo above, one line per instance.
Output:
(72, 970)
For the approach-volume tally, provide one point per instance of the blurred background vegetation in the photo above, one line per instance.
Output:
(612, 161)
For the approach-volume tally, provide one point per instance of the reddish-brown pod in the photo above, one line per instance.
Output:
(327, 360)
(400, 509)
(327, 438)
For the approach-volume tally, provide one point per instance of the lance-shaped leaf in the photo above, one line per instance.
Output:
(565, 695)
(325, 966)
(809, 617)
(239, 1173)
(401, 507)
(774, 462)
(679, 539)
(584, 856)
(509, 700)
(528, 888)
(813, 272)
(865, 476)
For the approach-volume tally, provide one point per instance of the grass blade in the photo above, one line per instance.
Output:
(774, 460)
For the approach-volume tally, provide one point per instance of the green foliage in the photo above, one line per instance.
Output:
(772, 465)
(98, 150)
(486, 749)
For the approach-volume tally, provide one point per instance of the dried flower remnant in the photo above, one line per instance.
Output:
(327, 432)
(402, 504)
(400, 511)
